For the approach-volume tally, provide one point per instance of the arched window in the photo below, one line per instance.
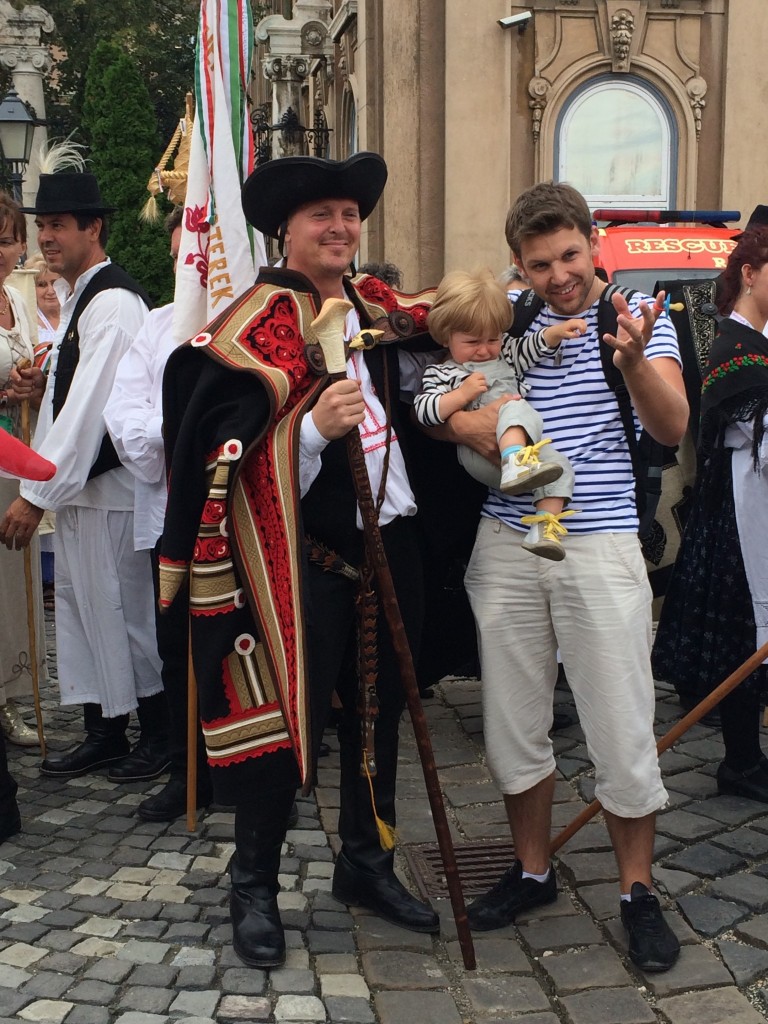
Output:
(617, 144)
(349, 122)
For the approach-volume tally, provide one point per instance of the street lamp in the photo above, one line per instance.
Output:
(17, 129)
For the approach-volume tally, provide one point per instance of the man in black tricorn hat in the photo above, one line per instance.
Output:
(262, 508)
(106, 647)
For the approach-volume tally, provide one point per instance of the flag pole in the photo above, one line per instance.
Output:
(26, 436)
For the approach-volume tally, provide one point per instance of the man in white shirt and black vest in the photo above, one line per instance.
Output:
(106, 647)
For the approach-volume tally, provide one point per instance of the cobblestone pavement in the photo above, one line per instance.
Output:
(104, 918)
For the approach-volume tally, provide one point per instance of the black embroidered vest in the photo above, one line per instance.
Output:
(110, 276)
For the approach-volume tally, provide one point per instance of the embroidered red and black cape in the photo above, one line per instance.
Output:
(234, 397)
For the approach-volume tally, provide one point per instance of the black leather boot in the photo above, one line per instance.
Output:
(10, 819)
(105, 742)
(364, 875)
(150, 757)
(257, 931)
(10, 822)
(171, 802)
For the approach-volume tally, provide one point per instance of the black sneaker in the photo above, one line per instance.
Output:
(512, 893)
(653, 946)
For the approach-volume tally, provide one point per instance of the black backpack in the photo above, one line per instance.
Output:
(648, 456)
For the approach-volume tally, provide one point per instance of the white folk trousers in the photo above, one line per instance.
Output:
(105, 621)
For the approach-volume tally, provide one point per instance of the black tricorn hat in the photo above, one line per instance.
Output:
(278, 187)
(69, 192)
(758, 218)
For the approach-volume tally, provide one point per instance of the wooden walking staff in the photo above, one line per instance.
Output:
(703, 708)
(191, 736)
(26, 436)
(328, 330)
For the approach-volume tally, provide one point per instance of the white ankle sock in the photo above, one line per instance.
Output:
(537, 878)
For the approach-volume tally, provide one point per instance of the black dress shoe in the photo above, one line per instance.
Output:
(10, 823)
(752, 783)
(512, 893)
(171, 802)
(257, 931)
(384, 894)
(93, 752)
(146, 761)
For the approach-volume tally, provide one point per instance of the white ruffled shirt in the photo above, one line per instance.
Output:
(134, 418)
(398, 496)
(107, 328)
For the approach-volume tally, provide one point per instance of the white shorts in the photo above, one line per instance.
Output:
(596, 606)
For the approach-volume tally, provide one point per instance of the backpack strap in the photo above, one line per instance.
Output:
(527, 307)
(647, 455)
(608, 323)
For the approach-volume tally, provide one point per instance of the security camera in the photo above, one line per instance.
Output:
(521, 20)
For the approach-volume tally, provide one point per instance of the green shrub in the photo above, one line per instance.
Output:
(124, 146)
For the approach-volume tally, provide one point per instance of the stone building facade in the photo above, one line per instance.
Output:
(637, 102)
(25, 53)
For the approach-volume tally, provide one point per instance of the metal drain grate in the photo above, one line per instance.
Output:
(480, 866)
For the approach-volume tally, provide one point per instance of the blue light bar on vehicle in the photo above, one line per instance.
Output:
(668, 216)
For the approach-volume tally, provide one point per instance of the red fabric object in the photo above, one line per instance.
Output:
(16, 460)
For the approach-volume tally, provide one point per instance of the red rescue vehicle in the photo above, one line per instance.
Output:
(640, 247)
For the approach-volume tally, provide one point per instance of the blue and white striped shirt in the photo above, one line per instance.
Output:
(581, 416)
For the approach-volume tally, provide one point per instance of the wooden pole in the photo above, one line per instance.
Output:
(26, 436)
(191, 737)
(329, 328)
(703, 708)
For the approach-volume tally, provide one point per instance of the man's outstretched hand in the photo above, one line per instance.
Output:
(632, 333)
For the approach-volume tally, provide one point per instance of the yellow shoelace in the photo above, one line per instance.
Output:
(553, 528)
(529, 456)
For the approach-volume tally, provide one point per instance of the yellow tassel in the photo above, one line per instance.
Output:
(387, 833)
(150, 212)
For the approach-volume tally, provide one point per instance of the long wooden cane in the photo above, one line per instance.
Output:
(26, 436)
(328, 329)
(191, 737)
(703, 708)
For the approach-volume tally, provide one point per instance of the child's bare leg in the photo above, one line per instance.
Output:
(513, 437)
(553, 505)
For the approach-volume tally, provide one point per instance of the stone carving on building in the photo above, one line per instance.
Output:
(696, 88)
(294, 46)
(21, 48)
(344, 69)
(538, 89)
(622, 29)
(286, 68)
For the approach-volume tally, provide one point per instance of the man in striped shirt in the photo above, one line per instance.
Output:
(596, 604)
